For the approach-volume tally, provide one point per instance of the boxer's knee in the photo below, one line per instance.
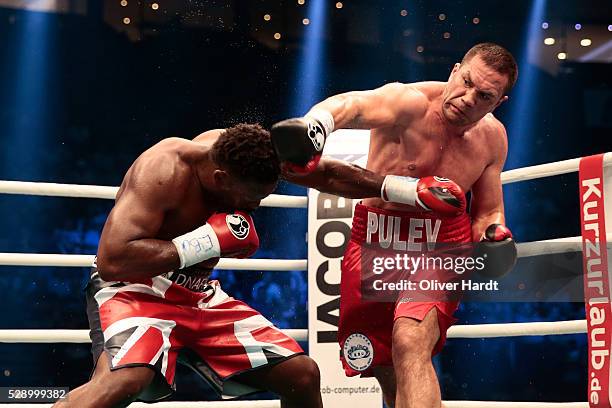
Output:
(307, 378)
(414, 341)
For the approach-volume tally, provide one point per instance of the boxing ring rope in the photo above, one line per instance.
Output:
(107, 192)
(569, 244)
(525, 249)
(23, 259)
(470, 331)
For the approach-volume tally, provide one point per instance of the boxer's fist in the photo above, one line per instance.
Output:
(499, 250)
(431, 193)
(299, 142)
(236, 234)
(229, 235)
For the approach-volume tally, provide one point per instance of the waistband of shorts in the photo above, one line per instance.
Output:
(451, 229)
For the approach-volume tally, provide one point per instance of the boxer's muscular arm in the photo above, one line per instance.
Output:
(340, 178)
(127, 249)
(380, 107)
(487, 205)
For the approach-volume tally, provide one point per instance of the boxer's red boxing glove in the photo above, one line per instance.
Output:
(498, 248)
(431, 193)
(236, 234)
(306, 169)
(299, 142)
(496, 232)
(228, 235)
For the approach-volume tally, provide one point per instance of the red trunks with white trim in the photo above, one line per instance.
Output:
(365, 327)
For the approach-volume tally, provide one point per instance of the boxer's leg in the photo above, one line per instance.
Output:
(386, 378)
(108, 388)
(413, 343)
(296, 380)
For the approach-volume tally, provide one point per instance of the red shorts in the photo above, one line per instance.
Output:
(365, 327)
(155, 324)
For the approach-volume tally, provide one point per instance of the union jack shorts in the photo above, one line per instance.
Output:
(157, 322)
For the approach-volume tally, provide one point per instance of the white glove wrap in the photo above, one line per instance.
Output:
(324, 117)
(197, 246)
(403, 190)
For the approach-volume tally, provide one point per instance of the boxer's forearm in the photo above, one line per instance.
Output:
(340, 178)
(137, 260)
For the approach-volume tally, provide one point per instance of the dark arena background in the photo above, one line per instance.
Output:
(86, 86)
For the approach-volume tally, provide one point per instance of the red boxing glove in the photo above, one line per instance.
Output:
(498, 249)
(431, 193)
(496, 232)
(228, 235)
(307, 169)
(236, 234)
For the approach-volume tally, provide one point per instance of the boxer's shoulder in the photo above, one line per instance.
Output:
(162, 167)
(490, 128)
(493, 134)
(411, 100)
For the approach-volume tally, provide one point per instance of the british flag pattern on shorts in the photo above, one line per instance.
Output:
(157, 322)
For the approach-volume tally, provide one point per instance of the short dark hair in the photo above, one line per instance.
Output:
(496, 57)
(246, 151)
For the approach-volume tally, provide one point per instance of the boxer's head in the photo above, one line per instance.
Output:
(478, 84)
(247, 166)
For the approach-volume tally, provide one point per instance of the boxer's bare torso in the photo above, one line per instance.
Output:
(422, 143)
(168, 191)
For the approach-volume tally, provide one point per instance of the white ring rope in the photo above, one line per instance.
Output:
(107, 192)
(546, 247)
(472, 331)
(276, 404)
(462, 331)
(16, 259)
(547, 170)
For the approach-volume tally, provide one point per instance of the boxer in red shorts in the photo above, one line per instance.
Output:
(418, 130)
(181, 206)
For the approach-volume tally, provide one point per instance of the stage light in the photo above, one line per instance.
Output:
(578, 26)
(305, 21)
(545, 25)
(420, 49)
(475, 20)
(277, 36)
(126, 20)
(585, 42)
(562, 56)
(441, 16)
(404, 13)
(549, 41)
(267, 17)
